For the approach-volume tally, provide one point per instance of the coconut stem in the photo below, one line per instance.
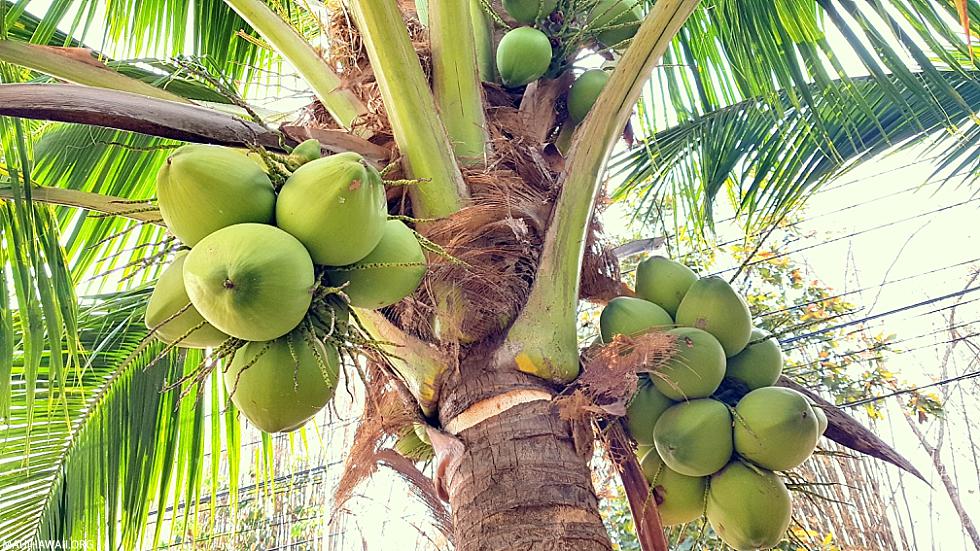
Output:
(543, 339)
(456, 79)
(483, 38)
(342, 104)
(419, 364)
(411, 109)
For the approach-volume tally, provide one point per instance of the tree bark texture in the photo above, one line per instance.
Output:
(519, 482)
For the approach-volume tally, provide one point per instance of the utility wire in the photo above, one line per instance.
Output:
(881, 315)
(958, 378)
(863, 289)
(850, 235)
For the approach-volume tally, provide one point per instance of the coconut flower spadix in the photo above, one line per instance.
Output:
(252, 281)
(202, 188)
(336, 207)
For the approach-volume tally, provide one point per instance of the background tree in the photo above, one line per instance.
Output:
(751, 99)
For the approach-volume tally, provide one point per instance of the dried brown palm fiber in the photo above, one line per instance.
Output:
(492, 247)
(608, 381)
(386, 414)
(600, 280)
(609, 371)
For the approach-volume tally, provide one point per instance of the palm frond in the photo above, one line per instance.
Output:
(113, 443)
(770, 157)
(207, 30)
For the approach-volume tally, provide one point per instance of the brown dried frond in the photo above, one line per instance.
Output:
(600, 268)
(421, 485)
(350, 59)
(385, 414)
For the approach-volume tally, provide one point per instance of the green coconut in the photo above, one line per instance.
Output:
(336, 207)
(757, 365)
(168, 298)
(664, 282)
(251, 281)
(584, 91)
(695, 438)
(680, 498)
(650, 462)
(631, 316)
(410, 446)
(390, 273)
(280, 384)
(822, 421)
(528, 11)
(712, 305)
(303, 153)
(695, 369)
(643, 411)
(422, 431)
(523, 56)
(775, 428)
(201, 189)
(623, 15)
(748, 508)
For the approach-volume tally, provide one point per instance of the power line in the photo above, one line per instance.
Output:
(820, 215)
(851, 235)
(958, 378)
(863, 289)
(881, 315)
(878, 347)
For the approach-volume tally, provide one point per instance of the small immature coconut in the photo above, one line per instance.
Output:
(695, 438)
(622, 16)
(644, 409)
(202, 188)
(650, 462)
(822, 421)
(696, 368)
(528, 11)
(631, 316)
(303, 153)
(584, 91)
(749, 508)
(422, 431)
(410, 446)
(252, 281)
(336, 207)
(168, 298)
(759, 364)
(664, 282)
(523, 56)
(713, 306)
(280, 384)
(680, 498)
(775, 428)
(373, 285)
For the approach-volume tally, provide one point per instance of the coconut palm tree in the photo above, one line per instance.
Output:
(747, 98)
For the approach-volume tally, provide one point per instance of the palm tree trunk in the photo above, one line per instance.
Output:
(519, 483)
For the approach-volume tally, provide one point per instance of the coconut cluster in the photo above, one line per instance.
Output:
(536, 48)
(271, 274)
(711, 429)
